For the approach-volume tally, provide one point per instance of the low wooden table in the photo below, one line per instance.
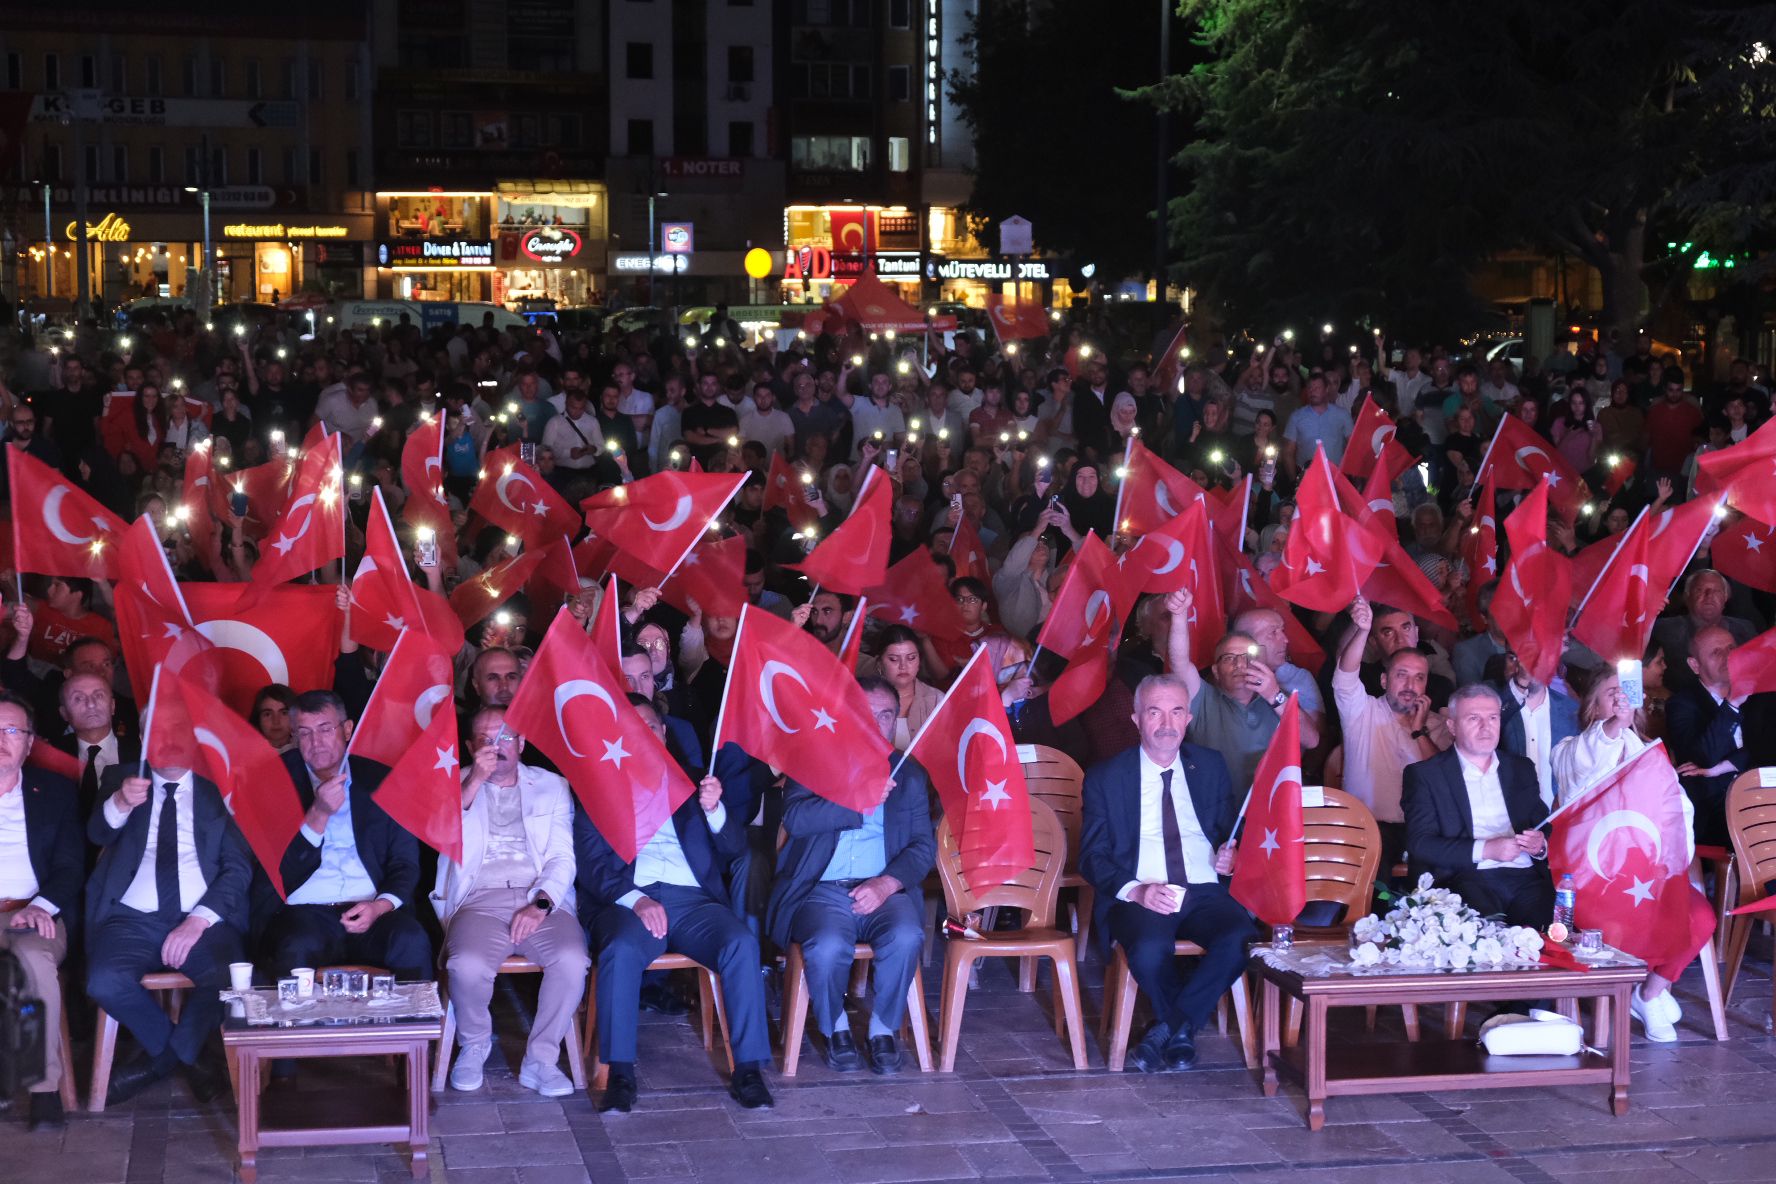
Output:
(1379, 1067)
(369, 1113)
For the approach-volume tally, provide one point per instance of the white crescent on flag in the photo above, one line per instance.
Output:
(284, 542)
(499, 489)
(226, 633)
(767, 691)
(52, 518)
(573, 689)
(1616, 820)
(680, 515)
(994, 794)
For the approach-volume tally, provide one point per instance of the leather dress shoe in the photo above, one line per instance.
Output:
(130, 1079)
(206, 1081)
(748, 1088)
(657, 997)
(1149, 1055)
(1180, 1050)
(841, 1052)
(619, 1094)
(46, 1112)
(885, 1056)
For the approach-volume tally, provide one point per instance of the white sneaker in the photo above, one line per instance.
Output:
(1652, 1019)
(547, 1080)
(465, 1075)
(1669, 1007)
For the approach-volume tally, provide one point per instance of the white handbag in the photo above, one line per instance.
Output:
(1540, 1033)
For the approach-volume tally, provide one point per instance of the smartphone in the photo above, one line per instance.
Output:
(812, 493)
(237, 502)
(1054, 503)
(428, 549)
(893, 460)
(527, 452)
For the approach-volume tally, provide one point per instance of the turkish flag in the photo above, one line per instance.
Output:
(1524, 459)
(310, 532)
(474, 599)
(784, 490)
(1619, 472)
(854, 558)
(265, 488)
(1370, 435)
(385, 600)
(556, 579)
(1013, 321)
(658, 519)
(913, 593)
(851, 648)
(423, 789)
(1153, 492)
(607, 627)
(1270, 868)
(968, 555)
(1181, 555)
(1751, 668)
(1227, 510)
(201, 498)
(1744, 473)
(1083, 682)
(58, 529)
(1746, 551)
(1329, 556)
(713, 575)
(514, 497)
(967, 750)
(1168, 364)
(287, 634)
(1244, 588)
(1587, 565)
(1531, 603)
(1480, 551)
(1396, 580)
(1095, 598)
(149, 635)
(418, 679)
(1625, 845)
(850, 233)
(46, 756)
(622, 774)
(422, 472)
(788, 702)
(142, 562)
(1618, 615)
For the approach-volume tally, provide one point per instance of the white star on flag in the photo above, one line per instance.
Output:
(1641, 892)
(539, 509)
(1314, 568)
(1752, 542)
(823, 720)
(1269, 846)
(908, 615)
(1491, 565)
(446, 760)
(283, 543)
(394, 622)
(1553, 478)
(995, 793)
(173, 630)
(614, 752)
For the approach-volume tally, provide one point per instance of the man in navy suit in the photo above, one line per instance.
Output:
(673, 897)
(1157, 819)
(1473, 815)
(352, 872)
(1535, 719)
(169, 892)
(92, 735)
(41, 849)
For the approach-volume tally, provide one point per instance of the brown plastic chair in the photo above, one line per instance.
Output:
(1333, 772)
(916, 1027)
(1751, 822)
(576, 1063)
(1056, 778)
(711, 1013)
(1032, 891)
(171, 986)
(70, 1091)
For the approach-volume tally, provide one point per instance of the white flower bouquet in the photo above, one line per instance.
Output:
(1432, 929)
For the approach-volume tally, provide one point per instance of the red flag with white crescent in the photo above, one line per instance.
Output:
(1270, 868)
(658, 519)
(58, 529)
(418, 680)
(423, 789)
(514, 497)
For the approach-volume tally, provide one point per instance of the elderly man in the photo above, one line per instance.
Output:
(1157, 820)
(1266, 627)
(511, 894)
(1384, 733)
(1473, 815)
(1705, 602)
(1705, 726)
(41, 849)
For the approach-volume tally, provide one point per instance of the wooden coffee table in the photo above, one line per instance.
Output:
(1379, 1066)
(368, 1113)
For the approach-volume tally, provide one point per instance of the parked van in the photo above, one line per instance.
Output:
(427, 314)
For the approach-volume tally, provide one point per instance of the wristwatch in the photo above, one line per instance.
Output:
(543, 903)
(1280, 698)
(1421, 734)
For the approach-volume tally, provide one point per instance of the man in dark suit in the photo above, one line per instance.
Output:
(845, 877)
(1153, 843)
(92, 736)
(1473, 817)
(673, 897)
(1534, 720)
(41, 849)
(169, 892)
(352, 872)
(1705, 725)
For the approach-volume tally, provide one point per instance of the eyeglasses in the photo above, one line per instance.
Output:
(12, 733)
(320, 733)
(968, 598)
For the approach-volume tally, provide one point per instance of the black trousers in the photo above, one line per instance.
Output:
(127, 946)
(313, 935)
(1522, 895)
(1210, 918)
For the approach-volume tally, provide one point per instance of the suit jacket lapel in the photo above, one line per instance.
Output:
(1464, 810)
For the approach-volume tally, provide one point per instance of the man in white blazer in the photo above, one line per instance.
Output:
(513, 893)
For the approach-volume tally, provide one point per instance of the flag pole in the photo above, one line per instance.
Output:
(1128, 468)
(937, 711)
(721, 713)
(148, 722)
(1607, 565)
(1490, 445)
(732, 493)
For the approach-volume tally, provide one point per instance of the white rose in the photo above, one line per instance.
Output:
(1458, 957)
(1366, 955)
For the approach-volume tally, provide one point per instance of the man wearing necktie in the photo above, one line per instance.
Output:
(89, 708)
(169, 892)
(1157, 819)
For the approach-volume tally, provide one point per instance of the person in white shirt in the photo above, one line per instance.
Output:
(1498, 389)
(574, 436)
(876, 412)
(762, 420)
(511, 894)
(349, 410)
(90, 709)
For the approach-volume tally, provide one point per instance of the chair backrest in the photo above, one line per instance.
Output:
(1751, 821)
(1056, 778)
(1033, 890)
(1333, 773)
(1343, 851)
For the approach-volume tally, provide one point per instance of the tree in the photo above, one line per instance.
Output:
(1359, 158)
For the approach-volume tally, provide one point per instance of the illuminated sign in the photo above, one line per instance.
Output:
(991, 270)
(664, 264)
(551, 244)
(276, 230)
(898, 265)
(109, 229)
(676, 238)
(445, 253)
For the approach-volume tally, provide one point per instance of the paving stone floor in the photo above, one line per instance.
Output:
(1014, 1110)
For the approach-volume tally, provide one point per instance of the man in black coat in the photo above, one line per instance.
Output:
(674, 896)
(1474, 817)
(1706, 724)
(351, 874)
(845, 877)
(41, 854)
(1153, 842)
(91, 733)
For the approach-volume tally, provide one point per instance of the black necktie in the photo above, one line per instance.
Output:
(1174, 839)
(166, 853)
(89, 780)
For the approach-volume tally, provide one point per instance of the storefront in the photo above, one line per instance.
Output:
(275, 259)
(826, 248)
(434, 245)
(961, 269)
(552, 242)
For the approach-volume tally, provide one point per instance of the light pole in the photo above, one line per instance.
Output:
(48, 236)
(209, 255)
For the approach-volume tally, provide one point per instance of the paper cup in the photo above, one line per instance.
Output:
(305, 980)
(240, 975)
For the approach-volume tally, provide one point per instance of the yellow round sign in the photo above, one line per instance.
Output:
(758, 263)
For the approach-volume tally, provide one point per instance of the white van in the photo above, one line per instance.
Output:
(427, 314)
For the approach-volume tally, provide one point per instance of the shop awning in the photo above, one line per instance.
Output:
(586, 194)
(874, 306)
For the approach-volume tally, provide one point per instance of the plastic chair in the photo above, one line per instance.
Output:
(711, 1012)
(171, 986)
(514, 965)
(916, 1027)
(1751, 824)
(1056, 778)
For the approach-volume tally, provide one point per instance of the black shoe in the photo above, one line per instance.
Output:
(1180, 1050)
(619, 1094)
(283, 1073)
(748, 1088)
(841, 1052)
(663, 999)
(46, 1112)
(1149, 1055)
(132, 1078)
(885, 1058)
(207, 1082)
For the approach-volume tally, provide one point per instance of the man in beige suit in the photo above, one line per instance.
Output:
(511, 894)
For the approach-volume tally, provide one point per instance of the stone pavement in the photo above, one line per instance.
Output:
(1015, 1110)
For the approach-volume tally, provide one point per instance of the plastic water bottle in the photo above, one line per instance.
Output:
(1566, 902)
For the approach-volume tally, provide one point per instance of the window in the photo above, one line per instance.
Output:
(413, 129)
(317, 166)
(841, 154)
(292, 78)
(740, 138)
(354, 79)
(317, 73)
(91, 159)
(456, 130)
(739, 63)
(900, 13)
(151, 75)
(194, 170)
(899, 154)
(900, 84)
(89, 70)
(351, 168)
(119, 164)
(157, 165)
(15, 71)
(255, 79)
(190, 74)
(638, 60)
(52, 162)
(218, 78)
(119, 74)
(52, 72)
(255, 167)
(641, 137)
(527, 130)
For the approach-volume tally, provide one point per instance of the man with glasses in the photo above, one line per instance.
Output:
(351, 871)
(22, 435)
(1237, 710)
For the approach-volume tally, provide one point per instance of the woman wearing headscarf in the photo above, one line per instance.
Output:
(1088, 505)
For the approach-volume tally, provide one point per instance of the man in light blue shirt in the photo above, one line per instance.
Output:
(1316, 422)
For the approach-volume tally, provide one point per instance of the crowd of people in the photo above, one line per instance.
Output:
(1457, 751)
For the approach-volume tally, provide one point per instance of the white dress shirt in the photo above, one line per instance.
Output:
(106, 757)
(661, 859)
(1377, 745)
(18, 879)
(142, 894)
(342, 877)
(1486, 802)
(1538, 739)
(561, 438)
(1150, 865)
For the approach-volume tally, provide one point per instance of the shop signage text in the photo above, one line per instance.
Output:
(109, 229)
(684, 167)
(435, 253)
(676, 238)
(552, 245)
(898, 265)
(284, 230)
(990, 270)
(664, 264)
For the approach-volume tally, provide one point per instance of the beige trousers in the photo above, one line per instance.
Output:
(479, 938)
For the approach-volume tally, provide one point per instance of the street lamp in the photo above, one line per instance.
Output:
(209, 255)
